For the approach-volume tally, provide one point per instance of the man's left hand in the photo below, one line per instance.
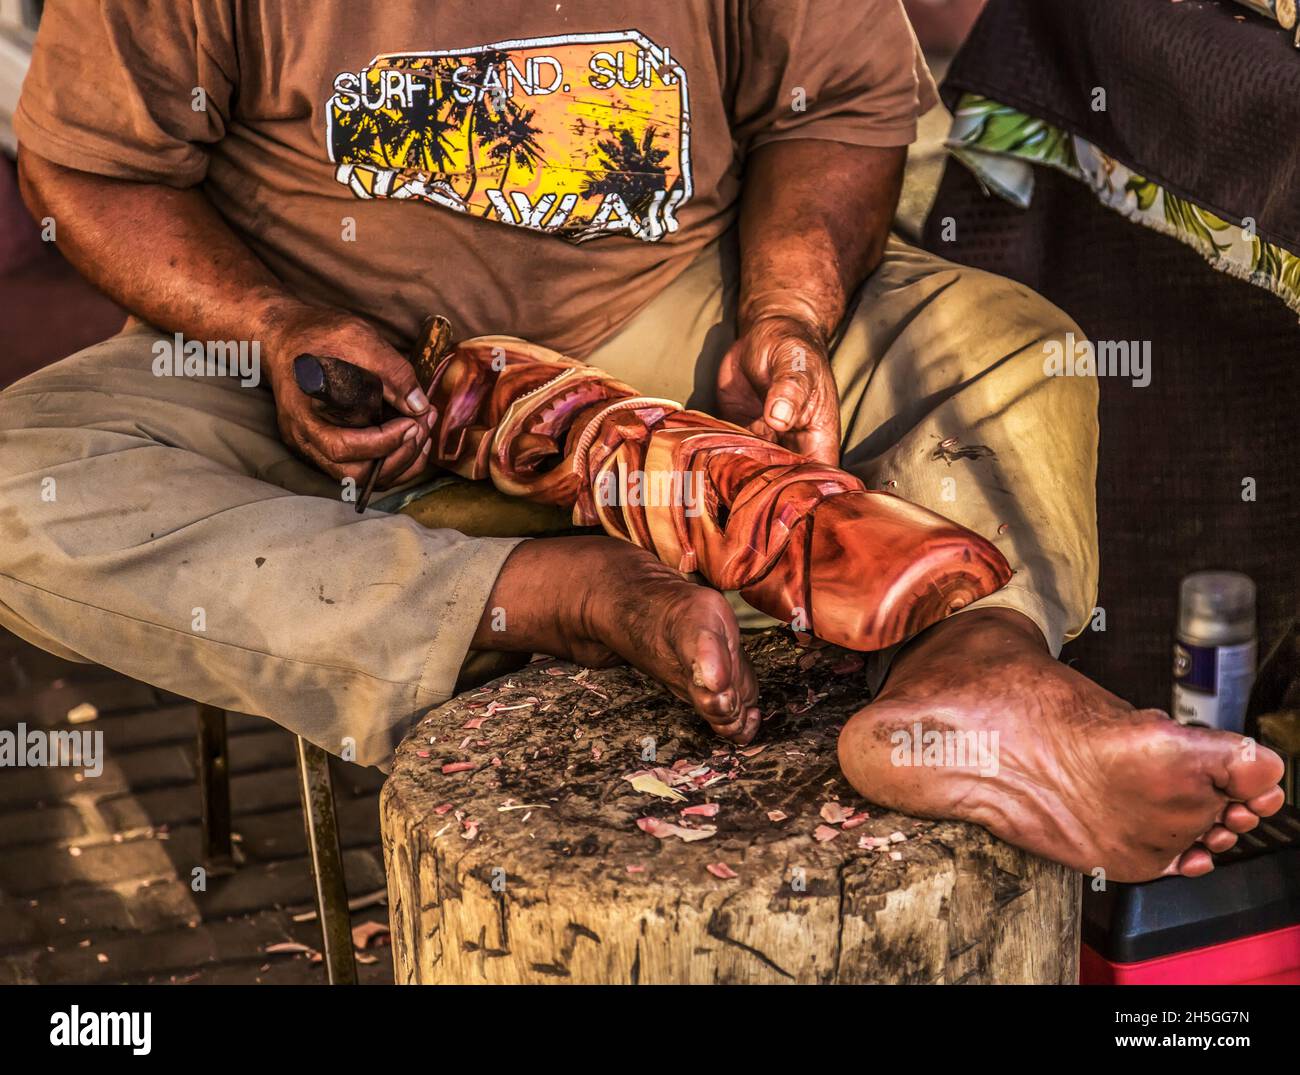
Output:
(776, 381)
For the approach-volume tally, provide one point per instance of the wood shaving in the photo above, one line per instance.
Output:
(701, 810)
(662, 830)
(835, 814)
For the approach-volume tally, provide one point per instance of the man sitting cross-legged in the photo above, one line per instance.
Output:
(701, 206)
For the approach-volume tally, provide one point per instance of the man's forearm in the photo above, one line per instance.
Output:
(169, 257)
(814, 220)
(165, 255)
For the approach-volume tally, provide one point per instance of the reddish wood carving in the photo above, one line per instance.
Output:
(804, 542)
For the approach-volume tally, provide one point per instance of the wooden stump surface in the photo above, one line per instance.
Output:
(529, 866)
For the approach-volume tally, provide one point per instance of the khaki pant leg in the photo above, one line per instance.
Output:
(929, 351)
(937, 354)
(158, 526)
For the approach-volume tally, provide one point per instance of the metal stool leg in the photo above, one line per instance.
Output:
(214, 787)
(326, 863)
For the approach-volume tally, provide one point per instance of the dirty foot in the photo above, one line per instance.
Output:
(1049, 761)
(599, 601)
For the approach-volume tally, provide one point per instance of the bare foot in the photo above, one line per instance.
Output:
(1049, 761)
(599, 601)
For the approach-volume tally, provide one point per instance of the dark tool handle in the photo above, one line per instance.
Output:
(344, 394)
(368, 486)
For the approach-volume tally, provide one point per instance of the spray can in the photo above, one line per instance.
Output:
(1215, 651)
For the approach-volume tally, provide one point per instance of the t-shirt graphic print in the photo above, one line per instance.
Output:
(581, 136)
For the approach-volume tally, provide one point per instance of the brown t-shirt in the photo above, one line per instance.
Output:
(533, 167)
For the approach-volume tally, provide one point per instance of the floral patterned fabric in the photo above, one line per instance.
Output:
(1002, 145)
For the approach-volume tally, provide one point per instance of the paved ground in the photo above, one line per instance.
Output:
(96, 872)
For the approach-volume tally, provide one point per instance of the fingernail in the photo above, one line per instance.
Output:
(427, 445)
(410, 434)
(782, 411)
(417, 401)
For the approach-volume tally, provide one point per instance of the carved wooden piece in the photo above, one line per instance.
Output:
(802, 541)
(543, 891)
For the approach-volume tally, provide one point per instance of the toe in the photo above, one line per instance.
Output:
(708, 656)
(1250, 770)
(741, 730)
(1195, 862)
(1240, 818)
(1219, 839)
(1270, 802)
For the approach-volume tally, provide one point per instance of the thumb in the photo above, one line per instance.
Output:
(792, 386)
(402, 388)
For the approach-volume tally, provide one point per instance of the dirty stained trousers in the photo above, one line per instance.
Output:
(158, 526)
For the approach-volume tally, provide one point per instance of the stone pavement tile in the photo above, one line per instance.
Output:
(286, 884)
(101, 866)
(264, 838)
(112, 958)
(49, 706)
(133, 770)
(54, 822)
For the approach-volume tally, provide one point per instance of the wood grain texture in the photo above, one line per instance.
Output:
(544, 893)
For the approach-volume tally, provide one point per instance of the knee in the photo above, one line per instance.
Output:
(1011, 332)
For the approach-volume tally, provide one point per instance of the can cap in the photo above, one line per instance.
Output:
(1217, 607)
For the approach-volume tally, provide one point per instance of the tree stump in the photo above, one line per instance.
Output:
(517, 847)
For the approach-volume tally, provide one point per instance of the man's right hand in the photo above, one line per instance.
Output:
(294, 329)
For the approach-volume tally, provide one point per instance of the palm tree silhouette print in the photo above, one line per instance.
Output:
(632, 169)
(512, 139)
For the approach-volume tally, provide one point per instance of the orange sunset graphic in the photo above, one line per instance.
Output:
(581, 136)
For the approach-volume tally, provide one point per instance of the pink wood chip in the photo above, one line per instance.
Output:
(834, 813)
(721, 870)
(442, 809)
(822, 833)
(776, 815)
(474, 722)
(457, 767)
(662, 830)
(701, 810)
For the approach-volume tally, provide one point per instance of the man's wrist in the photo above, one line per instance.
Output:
(270, 311)
(788, 305)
